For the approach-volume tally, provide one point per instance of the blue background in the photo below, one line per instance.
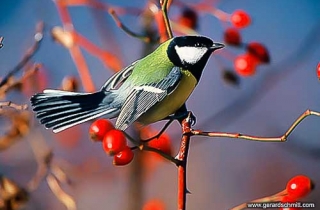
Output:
(222, 173)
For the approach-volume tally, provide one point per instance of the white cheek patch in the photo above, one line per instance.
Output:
(190, 55)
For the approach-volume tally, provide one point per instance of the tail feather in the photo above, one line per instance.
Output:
(60, 110)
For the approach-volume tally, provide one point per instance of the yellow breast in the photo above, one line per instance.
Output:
(171, 103)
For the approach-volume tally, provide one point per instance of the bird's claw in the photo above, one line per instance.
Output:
(180, 116)
(191, 118)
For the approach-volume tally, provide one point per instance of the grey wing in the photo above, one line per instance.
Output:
(142, 98)
(118, 78)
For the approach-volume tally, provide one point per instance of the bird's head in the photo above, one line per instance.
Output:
(191, 52)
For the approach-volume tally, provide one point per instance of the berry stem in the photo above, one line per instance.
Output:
(273, 198)
(282, 138)
(143, 145)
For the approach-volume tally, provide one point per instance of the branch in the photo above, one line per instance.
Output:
(143, 145)
(182, 167)
(13, 105)
(273, 198)
(65, 198)
(282, 138)
(29, 53)
(115, 17)
(12, 83)
(164, 8)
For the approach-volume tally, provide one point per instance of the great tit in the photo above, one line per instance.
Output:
(148, 90)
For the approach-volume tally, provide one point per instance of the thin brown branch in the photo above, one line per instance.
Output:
(160, 133)
(115, 17)
(65, 198)
(42, 170)
(13, 105)
(282, 138)
(29, 53)
(273, 198)
(142, 145)
(164, 8)
(14, 83)
(20, 125)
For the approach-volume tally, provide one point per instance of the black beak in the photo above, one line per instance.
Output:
(216, 46)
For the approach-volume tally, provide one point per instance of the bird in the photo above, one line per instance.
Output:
(148, 90)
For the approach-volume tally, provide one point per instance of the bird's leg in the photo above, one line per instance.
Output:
(181, 114)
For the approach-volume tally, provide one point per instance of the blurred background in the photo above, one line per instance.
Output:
(222, 172)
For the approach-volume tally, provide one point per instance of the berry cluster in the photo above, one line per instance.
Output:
(245, 64)
(113, 141)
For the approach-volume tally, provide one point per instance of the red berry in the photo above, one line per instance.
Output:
(318, 70)
(114, 142)
(232, 37)
(188, 18)
(154, 204)
(99, 128)
(245, 65)
(124, 157)
(259, 51)
(162, 143)
(299, 186)
(240, 19)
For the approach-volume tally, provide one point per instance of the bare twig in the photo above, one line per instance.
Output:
(143, 145)
(273, 198)
(160, 133)
(20, 124)
(164, 8)
(115, 17)
(13, 105)
(12, 196)
(282, 138)
(65, 198)
(29, 53)
(13, 83)
(42, 170)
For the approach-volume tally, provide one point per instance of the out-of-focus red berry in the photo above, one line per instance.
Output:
(99, 128)
(318, 70)
(245, 65)
(154, 204)
(232, 36)
(299, 186)
(162, 143)
(114, 141)
(124, 157)
(188, 18)
(240, 19)
(259, 51)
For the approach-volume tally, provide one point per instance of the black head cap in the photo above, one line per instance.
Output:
(191, 52)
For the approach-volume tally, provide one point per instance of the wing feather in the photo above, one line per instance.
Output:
(142, 98)
(119, 78)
